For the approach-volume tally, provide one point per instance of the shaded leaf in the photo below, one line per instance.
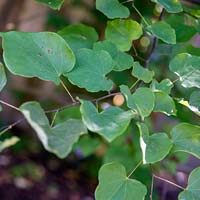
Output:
(154, 147)
(192, 192)
(123, 32)
(164, 103)
(59, 139)
(115, 185)
(54, 4)
(187, 68)
(163, 31)
(141, 101)
(79, 36)
(142, 73)
(90, 70)
(121, 60)
(195, 99)
(3, 79)
(117, 11)
(110, 123)
(44, 55)
(186, 138)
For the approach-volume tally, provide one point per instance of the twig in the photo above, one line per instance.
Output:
(7, 128)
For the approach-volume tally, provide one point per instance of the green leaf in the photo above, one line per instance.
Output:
(187, 68)
(142, 101)
(155, 147)
(87, 145)
(164, 86)
(8, 142)
(121, 60)
(54, 4)
(79, 36)
(184, 31)
(164, 103)
(59, 139)
(115, 185)
(192, 108)
(186, 138)
(123, 32)
(192, 192)
(91, 69)
(3, 79)
(44, 55)
(171, 6)
(117, 11)
(110, 123)
(195, 99)
(142, 73)
(163, 31)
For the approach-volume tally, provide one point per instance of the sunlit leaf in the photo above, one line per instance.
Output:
(123, 32)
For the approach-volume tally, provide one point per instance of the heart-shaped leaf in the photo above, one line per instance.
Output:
(123, 32)
(54, 4)
(142, 101)
(3, 79)
(164, 86)
(110, 123)
(163, 31)
(186, 138)
(171, 6)
(115, 185)
(59, 139)
(142, 73)
(79, 36)
(90, 70)
(121, 60)
(154, 147)
(192, 192)
(44, 55)
(164, 103)
(117, 11)
(187, 68)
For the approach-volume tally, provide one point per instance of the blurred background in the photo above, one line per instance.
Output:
(27, 171)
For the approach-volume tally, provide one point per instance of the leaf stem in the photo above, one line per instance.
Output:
(167, 181)
(138, 12)
(135, 168)
(64, 86)
(54, 118)
(9, 105)
(134, 84)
